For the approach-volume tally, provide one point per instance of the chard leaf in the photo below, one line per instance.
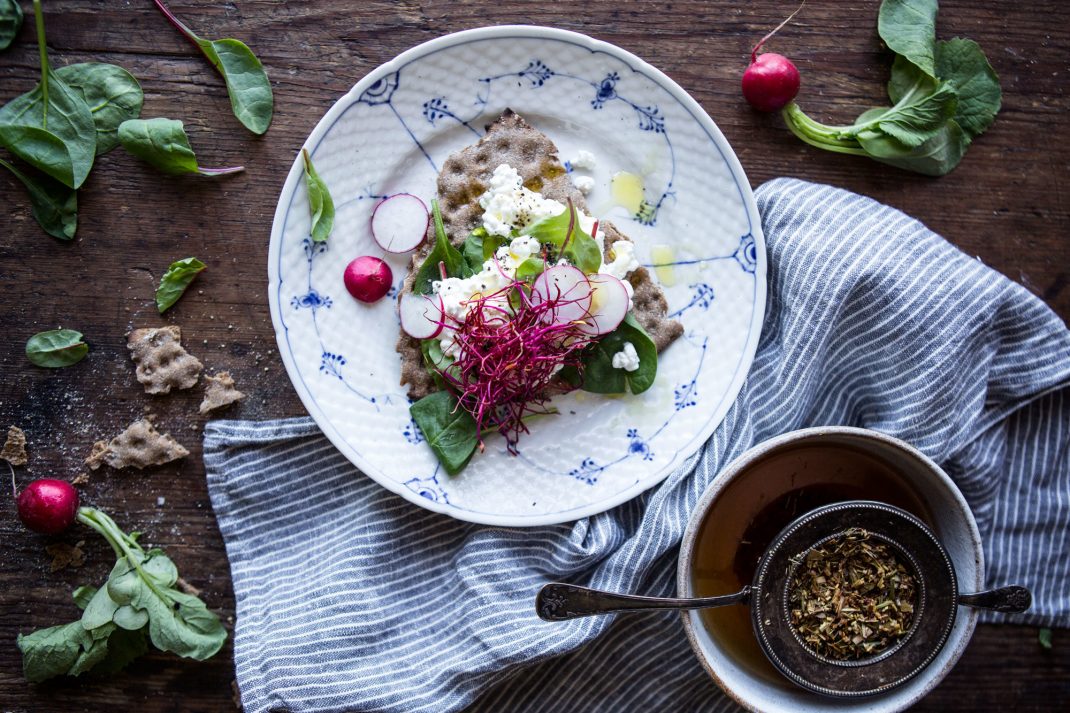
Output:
(53, 205)
(174, 282)
(908, 27)
(112, 94)
(963, 63)
(320, 203)
(918, 116)
(10, 22)
(56, 348)
(163, 144)
(247, 82)
(443, 252)
(599, 374)
(449, 429)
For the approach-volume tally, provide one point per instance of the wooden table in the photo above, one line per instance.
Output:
(1008, 203)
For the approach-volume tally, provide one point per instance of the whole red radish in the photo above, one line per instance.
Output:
(48, 506)
(772, 80)
(368, 278)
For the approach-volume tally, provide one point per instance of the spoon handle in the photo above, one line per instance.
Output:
(1013, 599)
(559, 602)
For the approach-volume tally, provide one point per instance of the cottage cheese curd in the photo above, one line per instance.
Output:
(627, 358)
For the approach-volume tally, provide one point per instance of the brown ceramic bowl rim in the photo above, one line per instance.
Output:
(955, 644)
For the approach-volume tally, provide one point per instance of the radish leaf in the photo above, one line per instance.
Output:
(908, 27)
(963, 63)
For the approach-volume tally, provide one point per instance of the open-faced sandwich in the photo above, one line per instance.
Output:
(517, 295)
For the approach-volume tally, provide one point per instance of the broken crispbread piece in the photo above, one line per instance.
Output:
(139, 446)
(14, 450)
(220, 392)
(162, 363)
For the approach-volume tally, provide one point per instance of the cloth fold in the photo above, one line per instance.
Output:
(350, 598)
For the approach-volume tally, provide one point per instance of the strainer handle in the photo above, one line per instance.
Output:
(559, 602)
(1013, 599)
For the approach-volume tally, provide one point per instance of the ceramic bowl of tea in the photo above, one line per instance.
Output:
(768, 487)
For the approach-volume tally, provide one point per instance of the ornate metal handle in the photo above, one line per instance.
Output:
(1012, 600)
(559, 602)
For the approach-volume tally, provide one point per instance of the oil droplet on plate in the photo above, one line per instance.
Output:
(662, 257)
(627, 191)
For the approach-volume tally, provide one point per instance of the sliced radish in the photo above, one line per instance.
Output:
(609, 304)
(399, 223)
(421, 315)
(567, 286)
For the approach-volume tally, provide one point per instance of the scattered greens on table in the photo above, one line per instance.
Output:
(10, 22)
(450, 430)
(163, 144)
(112, 94)
(53, 205)
(139, 603)
(175, 281)
(247, 83)
(56, 348)
(320, 203)
(944, 94)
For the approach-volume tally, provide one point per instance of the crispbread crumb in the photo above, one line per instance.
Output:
(14, 450)
(139, 446)
(162, 363)
(219, 392)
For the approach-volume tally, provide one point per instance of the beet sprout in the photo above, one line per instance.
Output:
(509, 356)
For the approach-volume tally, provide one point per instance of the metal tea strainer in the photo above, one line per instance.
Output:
(768, 595)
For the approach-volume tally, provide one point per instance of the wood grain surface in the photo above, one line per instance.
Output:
(1007, 203)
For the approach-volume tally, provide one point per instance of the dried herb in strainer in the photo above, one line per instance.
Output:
(852, 597)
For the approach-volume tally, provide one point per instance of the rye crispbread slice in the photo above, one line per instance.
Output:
(464, 178)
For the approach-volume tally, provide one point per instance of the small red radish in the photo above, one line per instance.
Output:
(771, 81)
(48, 506)
(399, 223)
(421, 315)
(609, 304)
(568, 287)
(368, 278)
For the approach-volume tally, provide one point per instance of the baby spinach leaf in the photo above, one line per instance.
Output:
(472, 250)
(581, 249)
(53, 205)
(174, 282)
(963, 63)
(50, 127)
(530, 268)
(112, 94)
(320, 203)
(10, 22)
(247, 82)
(908, 27)
(599, 374)
(443, 252)
(448, 428)
(163, 144)
(56, 348)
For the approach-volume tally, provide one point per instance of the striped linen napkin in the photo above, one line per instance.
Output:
(350, 598)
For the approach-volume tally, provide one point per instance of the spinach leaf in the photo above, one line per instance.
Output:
(472, 251)
(435, 361)
(10, 22)
(53, 205)
(320, 203)
(530, 269)
(448, 428)
(599, 375)
(908, 27)
(963, 63)
(581, 249)
(443, 252)
(163, 143)
(112, 94)
(56, 348)
(247, 82)
(174, 282)
(50, 127)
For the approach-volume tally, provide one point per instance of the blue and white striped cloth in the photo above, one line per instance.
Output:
(350, 598)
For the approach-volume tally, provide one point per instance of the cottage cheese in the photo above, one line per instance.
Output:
(507, 205)
(584, 160)
(627, 358)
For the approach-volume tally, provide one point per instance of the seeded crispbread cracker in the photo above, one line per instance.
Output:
(139, 446)
(162, 363)
(464, 178)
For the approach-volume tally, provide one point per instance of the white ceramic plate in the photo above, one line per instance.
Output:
(390, 134)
